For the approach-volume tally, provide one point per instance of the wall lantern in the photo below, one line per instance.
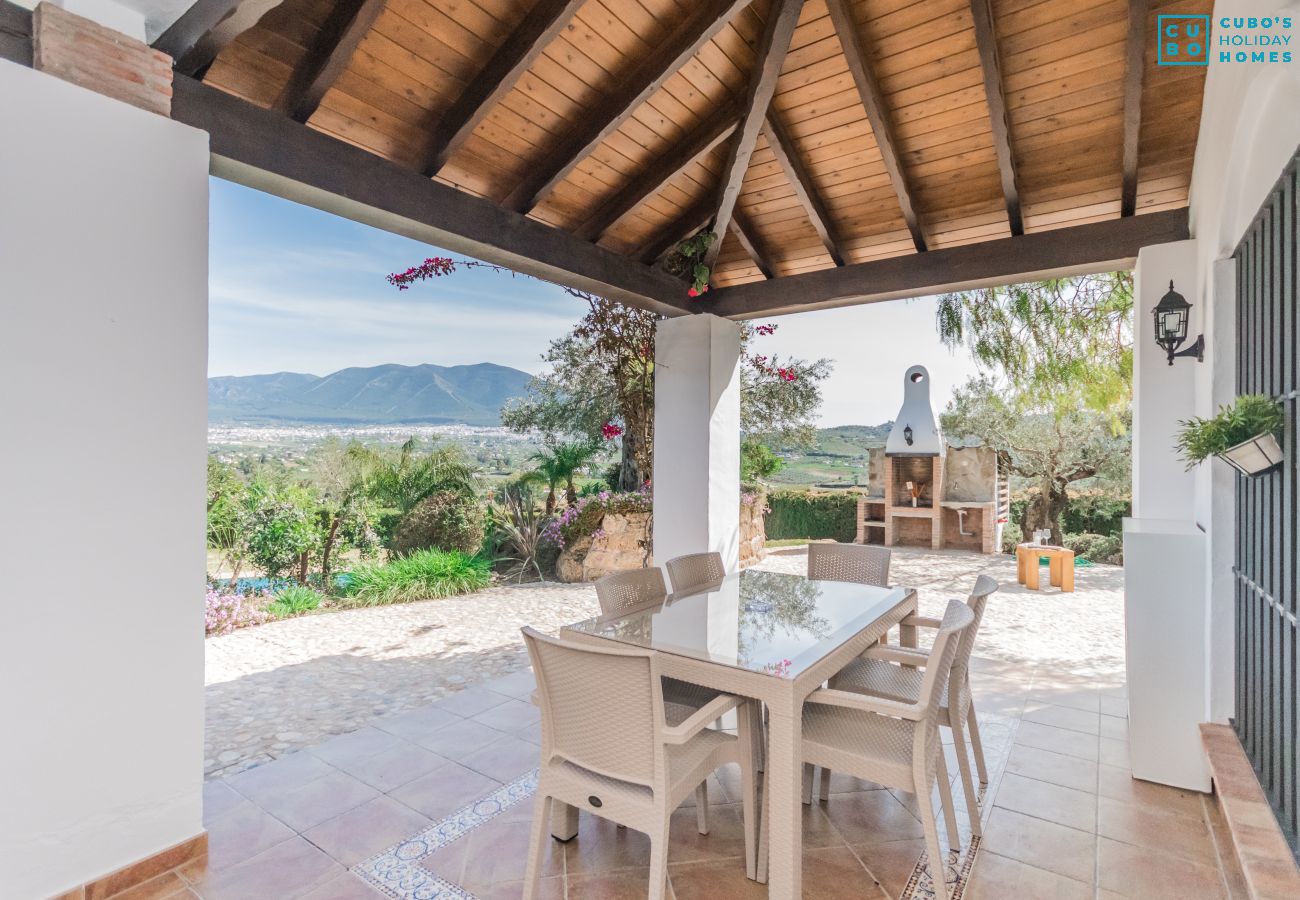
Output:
(907, 435)
(1171, 326)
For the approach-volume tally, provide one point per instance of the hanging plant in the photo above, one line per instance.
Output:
(1243, 434)
(686, 261)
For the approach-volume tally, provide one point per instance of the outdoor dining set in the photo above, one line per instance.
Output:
(775, 673)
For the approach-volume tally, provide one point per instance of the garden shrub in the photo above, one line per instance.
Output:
(1096, 513)
(421, 575)
(279, 530)
(446, 520)
(1099, 548)
(294, 601)
(802, 514)
(227, 610)
(584, 517)
(1010, 537)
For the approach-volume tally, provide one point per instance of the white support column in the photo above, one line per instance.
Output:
(103, 357)
(697, 438)
(1163, 395)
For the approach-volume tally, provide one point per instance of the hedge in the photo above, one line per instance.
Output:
(802, 514)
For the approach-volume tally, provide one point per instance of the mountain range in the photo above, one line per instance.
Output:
(468, 395)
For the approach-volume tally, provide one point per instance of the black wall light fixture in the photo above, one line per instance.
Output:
(1171, 315)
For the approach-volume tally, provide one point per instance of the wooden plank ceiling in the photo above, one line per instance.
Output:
(877, 128)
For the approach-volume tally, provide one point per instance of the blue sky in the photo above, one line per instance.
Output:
(299, 290)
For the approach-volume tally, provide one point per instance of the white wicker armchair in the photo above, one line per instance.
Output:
(893, 743)
(858, 563)
(624, 590)
(611, 752)
(694, 570)
(897, 673)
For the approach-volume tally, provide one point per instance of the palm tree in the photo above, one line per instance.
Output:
(559, 464)
(403, 478)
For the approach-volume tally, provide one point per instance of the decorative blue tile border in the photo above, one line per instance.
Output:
(397, 871)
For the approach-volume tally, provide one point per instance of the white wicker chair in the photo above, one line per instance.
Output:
(694, 570)
(858, 563)
(624, 590)
(607, 748)
(893, 743)
(896, 673)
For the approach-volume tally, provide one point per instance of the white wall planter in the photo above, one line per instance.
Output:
(1254, 456)
(1166, 645)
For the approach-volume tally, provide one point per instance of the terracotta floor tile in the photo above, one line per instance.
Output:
(725, 840)
(362, 832)
(166, 886)
(1118, 784)
(380, 759)
(891, 862)
(1113, 752)
(242, 832)
(444, 790)
(715, 881)
(505, 759)
(871, 817)
(1044, 765)
(457, 740)
(1179, 835)
(510, 716)
(1065, 806)
(1152, 875)
(318, 800)
(345, 887)
(1058, 740)
(471, 701)
(628, 884)
(1042, 844)
(417, 724)
(602, 847)
(498, 852)
(1062, 717)
(547, 889)
(289, 869)
(288, 773)
(999, 878)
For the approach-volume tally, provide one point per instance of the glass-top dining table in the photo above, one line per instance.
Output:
(771, 637)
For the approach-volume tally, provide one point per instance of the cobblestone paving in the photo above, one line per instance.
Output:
(288, 685)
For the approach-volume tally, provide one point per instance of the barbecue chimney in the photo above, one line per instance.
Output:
(915, 432)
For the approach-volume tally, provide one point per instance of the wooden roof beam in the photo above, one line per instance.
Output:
(986, 40)
(691, 222)
(1096, 247)
(207, 28)
(508, 64)
(263, 149)
(782, 144)
(328, 56)
(873, 100)
(773, 46)
(744, 231)
(706, 137)
(1134, 64)
(685, 40)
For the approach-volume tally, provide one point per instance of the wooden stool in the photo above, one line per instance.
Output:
(1060, 566)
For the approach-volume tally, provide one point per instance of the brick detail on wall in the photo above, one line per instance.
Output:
(100, 59)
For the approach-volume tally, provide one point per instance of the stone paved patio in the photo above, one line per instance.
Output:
(289, 685)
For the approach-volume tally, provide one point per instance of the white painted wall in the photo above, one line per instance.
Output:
(1250, 127)
(697, 438)
(103, 346)
(1162, 394)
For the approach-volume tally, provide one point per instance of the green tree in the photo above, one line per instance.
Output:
(344, 510)
(1042, 439)
(1070, 339)
(757, 461)
(558, 465)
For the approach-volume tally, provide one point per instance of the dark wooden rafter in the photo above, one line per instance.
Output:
(1134, 64)
(646, 77)
(508, 64)
(986, 40)
(744, 231)
(719, 126)
(207, 28)
(782, 145)
(773, 45)
(694, 220)
(328, 56)
(1096, 247)
(873, 100)
(268, 151)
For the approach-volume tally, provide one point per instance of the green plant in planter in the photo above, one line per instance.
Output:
(1247, 417)
(686, 261)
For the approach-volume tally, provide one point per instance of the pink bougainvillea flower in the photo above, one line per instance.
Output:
(765, 330)
(611, 431)
(692, 292)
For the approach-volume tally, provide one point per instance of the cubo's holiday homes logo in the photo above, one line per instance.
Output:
(1183, 40)
(1187, 40)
